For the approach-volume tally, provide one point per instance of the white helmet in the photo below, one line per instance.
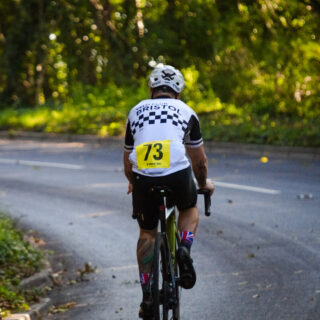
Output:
(165, 75)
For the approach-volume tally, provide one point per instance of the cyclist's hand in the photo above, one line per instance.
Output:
(129, 188)
(209, 185)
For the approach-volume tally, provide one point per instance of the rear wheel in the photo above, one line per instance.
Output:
(160, 286)
(176, 308)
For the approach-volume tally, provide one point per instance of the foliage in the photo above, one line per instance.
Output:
(255, 60)
(18, 260)
(88, 111)
(103, 112)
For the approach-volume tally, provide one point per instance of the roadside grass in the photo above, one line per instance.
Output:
(282, 131)
(103, 112)
(18, 260)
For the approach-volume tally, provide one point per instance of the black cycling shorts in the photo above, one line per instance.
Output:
(146, 203)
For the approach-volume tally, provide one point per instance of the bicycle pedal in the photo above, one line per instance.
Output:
(172, 303)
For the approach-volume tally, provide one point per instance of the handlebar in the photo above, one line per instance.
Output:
(207, 200)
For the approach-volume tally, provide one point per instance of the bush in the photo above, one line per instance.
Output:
(18, 260)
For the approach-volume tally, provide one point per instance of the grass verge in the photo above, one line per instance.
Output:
(18, 260)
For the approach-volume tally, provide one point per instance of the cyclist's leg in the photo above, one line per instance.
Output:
(186, 198)
(187, 225)
(145, 211)
(145, 249)
(188, 220)
(145, 252)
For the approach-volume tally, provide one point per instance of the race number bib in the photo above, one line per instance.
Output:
(153, 154)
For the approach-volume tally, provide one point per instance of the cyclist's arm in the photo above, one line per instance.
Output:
(128, 147)
(127, 165)
(200, 167)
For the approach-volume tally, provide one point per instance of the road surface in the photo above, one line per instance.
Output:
(257, 257)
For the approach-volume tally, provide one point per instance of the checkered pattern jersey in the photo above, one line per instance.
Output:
(163, 119)
(176, 114)
(160, 117)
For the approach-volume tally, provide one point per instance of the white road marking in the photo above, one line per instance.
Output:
(107, 185)
(246, 188)
(103, 185)
(42, 164)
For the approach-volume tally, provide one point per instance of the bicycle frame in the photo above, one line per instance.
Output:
(167, 293)
(172, 232)
(169, 225)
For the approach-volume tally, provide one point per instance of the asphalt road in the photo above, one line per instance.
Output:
(257, 257)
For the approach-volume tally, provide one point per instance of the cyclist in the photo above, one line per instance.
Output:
(159, 133)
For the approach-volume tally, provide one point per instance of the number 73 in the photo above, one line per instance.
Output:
(153, 154)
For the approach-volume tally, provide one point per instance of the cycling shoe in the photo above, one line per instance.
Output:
(146, 310)
(187, 273)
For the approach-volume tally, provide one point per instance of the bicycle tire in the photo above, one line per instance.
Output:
(160, 283)
(176, 308)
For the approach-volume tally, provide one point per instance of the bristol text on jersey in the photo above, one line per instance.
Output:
(157, 106)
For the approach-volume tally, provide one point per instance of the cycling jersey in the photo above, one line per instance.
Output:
(156, 134)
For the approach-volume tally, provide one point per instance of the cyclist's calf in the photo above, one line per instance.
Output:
(188, 219)
(145, 248)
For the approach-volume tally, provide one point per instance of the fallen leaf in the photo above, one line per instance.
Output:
(72, 282)
(87, 269)
(264, 159)
(56, 278)
(298, 272)
(63, 307)
(213, 161)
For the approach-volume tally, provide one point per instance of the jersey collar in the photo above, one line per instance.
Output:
(163, 97)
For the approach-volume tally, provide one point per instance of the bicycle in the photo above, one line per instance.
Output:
(165, 289)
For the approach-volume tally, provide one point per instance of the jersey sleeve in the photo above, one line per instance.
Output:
(128, 142)
(193, 138)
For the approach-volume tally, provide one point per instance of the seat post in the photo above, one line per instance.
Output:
(162, 211)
